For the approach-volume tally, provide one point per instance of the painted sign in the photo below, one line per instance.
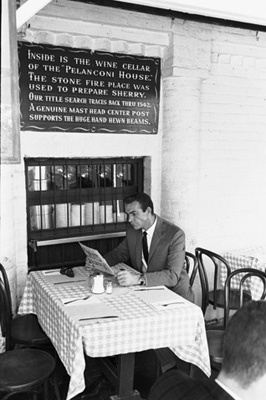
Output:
(78, 90)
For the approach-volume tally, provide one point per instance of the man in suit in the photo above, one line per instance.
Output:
(166, 249)
(161, 263)
(243, 372)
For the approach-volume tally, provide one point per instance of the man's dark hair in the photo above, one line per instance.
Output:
(244, 357)
(142, 198)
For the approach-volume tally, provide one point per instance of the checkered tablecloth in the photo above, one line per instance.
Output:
(237, 261)
(139, 327)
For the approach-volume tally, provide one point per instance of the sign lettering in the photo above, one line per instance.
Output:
(79, 90)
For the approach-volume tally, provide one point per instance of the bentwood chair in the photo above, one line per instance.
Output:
(191, 265)
(215, 337)
(22, 370)
(210, 263)
(24, 329)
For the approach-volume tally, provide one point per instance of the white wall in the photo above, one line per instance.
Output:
(232, 190)
(214, 136)
(208, 158)
(249, 12)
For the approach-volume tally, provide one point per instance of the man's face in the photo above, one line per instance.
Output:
(136, 216)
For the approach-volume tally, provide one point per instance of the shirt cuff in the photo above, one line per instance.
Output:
(142, 280)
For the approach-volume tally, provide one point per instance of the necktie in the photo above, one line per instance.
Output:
(145, 247)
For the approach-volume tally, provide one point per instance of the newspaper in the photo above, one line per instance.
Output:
(96, 261)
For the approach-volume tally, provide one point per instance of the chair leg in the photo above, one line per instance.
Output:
(8, 395)
(56, 386)
(46, 390)
(191, 370)
(158, 369)
(34, 393)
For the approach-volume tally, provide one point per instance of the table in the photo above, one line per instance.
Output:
(246, 259)
(140, 326)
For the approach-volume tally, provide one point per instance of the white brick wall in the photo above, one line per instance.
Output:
(233, 121)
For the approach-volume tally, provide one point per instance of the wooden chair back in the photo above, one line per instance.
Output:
(5, 312)
(7, 287)
(247, 273)
(191, 265)
(208, 259)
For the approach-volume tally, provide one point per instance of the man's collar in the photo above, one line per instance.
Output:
(228, 390)
(151, 229)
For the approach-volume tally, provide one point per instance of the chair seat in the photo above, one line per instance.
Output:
(23, 370)
(25, 329)
(234, 298)
(217, 325)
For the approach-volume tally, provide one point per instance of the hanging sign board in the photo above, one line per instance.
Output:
(78, 90)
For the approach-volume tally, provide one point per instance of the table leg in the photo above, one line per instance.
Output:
(122, 376)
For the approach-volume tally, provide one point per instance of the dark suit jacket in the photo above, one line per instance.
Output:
(174, 385)
(166, 256)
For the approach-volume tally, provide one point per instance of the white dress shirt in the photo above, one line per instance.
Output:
(229, 391)
(150, 233)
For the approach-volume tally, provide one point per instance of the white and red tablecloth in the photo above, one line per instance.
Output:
(245, 259)
(139, 325)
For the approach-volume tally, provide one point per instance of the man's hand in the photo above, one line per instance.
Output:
(126, 278)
